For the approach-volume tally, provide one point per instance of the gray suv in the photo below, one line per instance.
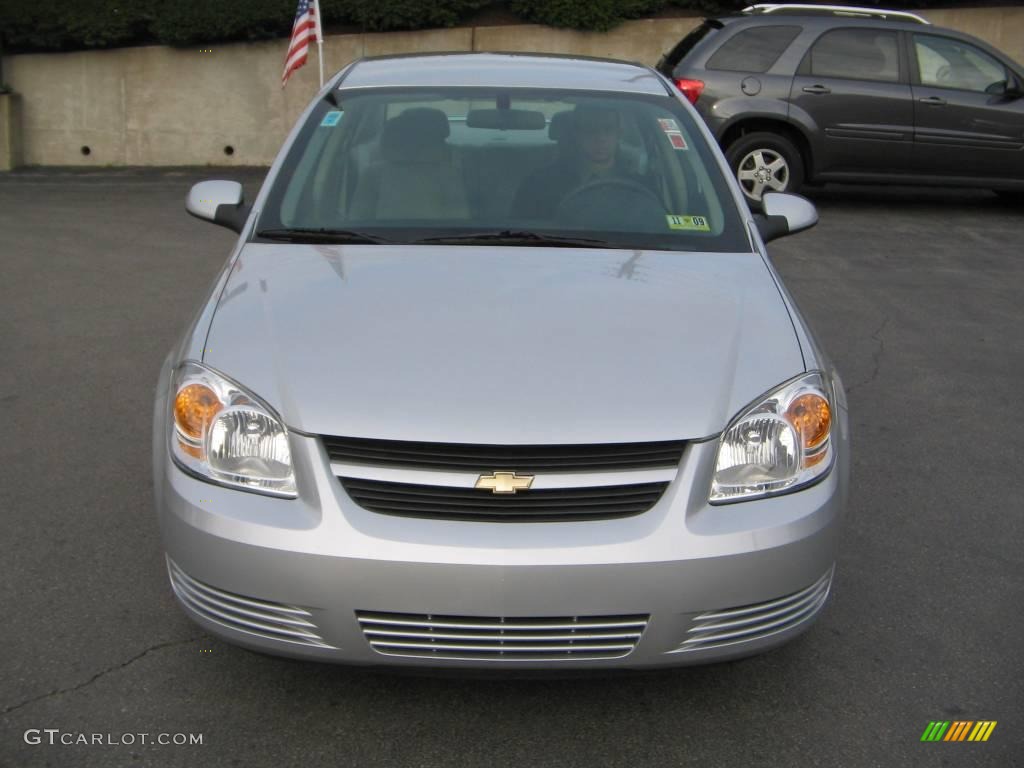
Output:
(800, 94)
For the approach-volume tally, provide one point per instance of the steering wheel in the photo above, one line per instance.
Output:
(613, 203)
(589, 188)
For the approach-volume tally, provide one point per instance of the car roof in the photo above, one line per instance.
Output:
(509, 70)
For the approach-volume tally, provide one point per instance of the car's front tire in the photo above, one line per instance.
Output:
(765, 162)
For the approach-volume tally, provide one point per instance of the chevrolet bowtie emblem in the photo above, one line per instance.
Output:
(504, 482)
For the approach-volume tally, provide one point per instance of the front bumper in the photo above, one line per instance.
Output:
(300, 577)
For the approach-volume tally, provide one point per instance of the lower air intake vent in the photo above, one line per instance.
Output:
(501, 639)
(273, 621)
(754, 622)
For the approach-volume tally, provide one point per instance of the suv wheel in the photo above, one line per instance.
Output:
(765, 162)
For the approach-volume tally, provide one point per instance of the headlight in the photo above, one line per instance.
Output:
(228, 435)
(780, 444)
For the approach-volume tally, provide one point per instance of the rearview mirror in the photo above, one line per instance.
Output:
(784, 214)
(219, 202)
(506, 119)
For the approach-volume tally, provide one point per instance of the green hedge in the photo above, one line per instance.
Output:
(590, 14)
(381, 15)
(181, 22)
(602, 15)
(73, 24)
(719, 7)
(69, 24)
(63, 25)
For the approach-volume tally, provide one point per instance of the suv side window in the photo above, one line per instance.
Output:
(943, 62)
(753, 50)
(860, 54)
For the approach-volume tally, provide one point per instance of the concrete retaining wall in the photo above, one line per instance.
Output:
(164, 106)
(10, 131)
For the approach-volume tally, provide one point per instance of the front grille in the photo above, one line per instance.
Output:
(263, 618)
(469, 457)
(754, 622)
(545, 505)
(501, 639)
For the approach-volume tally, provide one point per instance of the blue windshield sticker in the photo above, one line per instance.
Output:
(331, 119)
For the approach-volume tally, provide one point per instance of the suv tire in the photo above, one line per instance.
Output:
(765, 162)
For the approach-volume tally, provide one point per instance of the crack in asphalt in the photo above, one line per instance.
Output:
(876, 357)
(60, 691)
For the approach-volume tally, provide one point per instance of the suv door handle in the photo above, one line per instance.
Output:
(934, 101)
(816, 89)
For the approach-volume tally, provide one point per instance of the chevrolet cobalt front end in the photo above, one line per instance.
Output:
(499, 375)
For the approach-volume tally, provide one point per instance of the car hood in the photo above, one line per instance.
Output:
(502, 344)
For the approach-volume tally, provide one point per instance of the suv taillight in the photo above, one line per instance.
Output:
(691, 89)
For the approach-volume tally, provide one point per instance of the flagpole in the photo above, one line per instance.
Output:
(319, 40)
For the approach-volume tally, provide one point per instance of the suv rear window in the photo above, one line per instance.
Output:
(684, 46)
(753, 50)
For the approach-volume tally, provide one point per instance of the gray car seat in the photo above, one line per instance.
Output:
(415, 177)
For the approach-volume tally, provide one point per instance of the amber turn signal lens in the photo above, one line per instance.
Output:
(192, 450)
(812, 418)
(194, 407)
(810, 461)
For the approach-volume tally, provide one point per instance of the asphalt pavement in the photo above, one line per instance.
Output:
(918, 294)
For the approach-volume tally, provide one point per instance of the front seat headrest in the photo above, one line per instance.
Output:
(560, 126)
(416, 135)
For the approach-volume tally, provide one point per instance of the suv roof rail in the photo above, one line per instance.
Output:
(834, 10)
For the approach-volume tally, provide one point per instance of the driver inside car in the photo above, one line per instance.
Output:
(591, 154)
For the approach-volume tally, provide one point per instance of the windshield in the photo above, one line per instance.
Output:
(509, 167)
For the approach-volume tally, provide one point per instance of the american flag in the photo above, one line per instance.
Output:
(304, 29)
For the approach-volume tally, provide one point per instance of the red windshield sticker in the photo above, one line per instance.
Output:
(677, 140)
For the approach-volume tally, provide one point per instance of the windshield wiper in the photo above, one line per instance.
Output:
(517, 237)
(322, 235)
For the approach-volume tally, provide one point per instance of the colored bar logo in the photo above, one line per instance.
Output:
(958, 730)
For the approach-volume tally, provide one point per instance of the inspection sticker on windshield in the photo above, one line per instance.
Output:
(676, 139)
(331, 119)
(690, 223)
(671, 130)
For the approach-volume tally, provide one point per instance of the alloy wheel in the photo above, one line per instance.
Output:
(762, 170)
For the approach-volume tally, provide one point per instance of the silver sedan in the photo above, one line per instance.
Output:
(498, 374)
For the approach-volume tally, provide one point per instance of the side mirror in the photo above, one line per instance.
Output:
(784, 214)
(219, 202)
(1009, 89)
